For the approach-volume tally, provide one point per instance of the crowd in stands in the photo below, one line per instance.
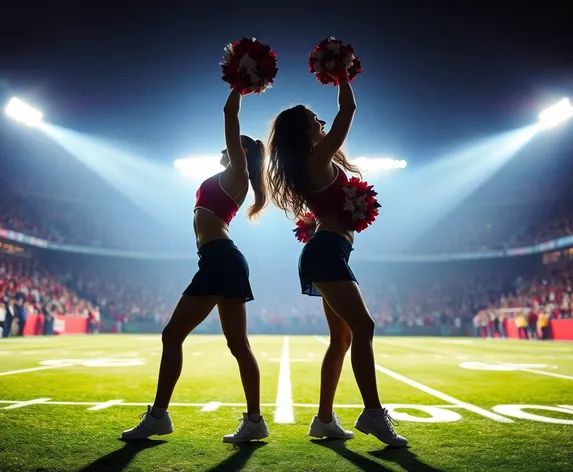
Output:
(532, 203)
(17, 215)
(407, 303)
(25, 290)
(501, 227)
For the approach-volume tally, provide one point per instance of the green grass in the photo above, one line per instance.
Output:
(68, 437)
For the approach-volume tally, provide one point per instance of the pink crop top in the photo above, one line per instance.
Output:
(211, 197)
(330, 198)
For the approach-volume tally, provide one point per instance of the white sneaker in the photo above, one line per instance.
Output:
(248, 431)
(149, 426)
(333, 430)
(382, 427)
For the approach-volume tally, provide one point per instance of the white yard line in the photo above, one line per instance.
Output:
(104, 405)
(449, 355)
(36, 401)
(34, 369)
(204, 407)
(211, 406)
(438, 394)
(535, 371)
(284, 408)
(120, 355)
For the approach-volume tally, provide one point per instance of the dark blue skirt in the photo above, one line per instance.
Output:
(223, 270)
(324, 259)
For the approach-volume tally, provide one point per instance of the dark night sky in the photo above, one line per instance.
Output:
(433, 75)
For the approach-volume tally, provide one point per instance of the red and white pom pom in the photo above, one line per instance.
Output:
(249, 66)
(305, 227)
(331, 62)
(360, 207)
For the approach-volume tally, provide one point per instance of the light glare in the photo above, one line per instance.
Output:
(198, 168)
(23, 113)
(556, 114)
(373, 164)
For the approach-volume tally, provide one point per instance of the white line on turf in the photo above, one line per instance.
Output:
(26, 403)
(104, 405)
(33, 369)
(437, 394)
(204, 406)
(122, 355)
(284, 408)
(535, 371)
(509, 364)
(211, 406)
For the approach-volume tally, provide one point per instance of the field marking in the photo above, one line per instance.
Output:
(104, 405)
(211, 406)
(517, 367)
(284, 409)
(436, 393)
(437, 413)
(26, 403)
(292, 359)
(517, 411)
(34, 369)
(117, 356)
(540, 372)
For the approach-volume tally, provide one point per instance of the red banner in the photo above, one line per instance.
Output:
(62, 325)
(560, 330)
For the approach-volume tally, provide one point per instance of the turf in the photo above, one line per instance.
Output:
(71, 429)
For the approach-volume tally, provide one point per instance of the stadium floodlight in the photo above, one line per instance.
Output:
(556, 114)
(23, 113)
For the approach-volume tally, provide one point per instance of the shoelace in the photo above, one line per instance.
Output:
(336, 421)
(390, 422)
(241, 424)
(142, 419)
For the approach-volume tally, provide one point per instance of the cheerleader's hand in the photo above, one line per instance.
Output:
(339, 75)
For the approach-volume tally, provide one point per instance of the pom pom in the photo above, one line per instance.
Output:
(305, 227)
(360, 207)
(249, 66)
(333, 62)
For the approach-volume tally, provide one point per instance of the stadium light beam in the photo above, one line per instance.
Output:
(198, 168)
(377, 164)
(556, 114)
(23, 113)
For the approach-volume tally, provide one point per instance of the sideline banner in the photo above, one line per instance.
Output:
(63, 324)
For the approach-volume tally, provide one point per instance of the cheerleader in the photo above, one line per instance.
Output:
(222, 281)
(308, 171)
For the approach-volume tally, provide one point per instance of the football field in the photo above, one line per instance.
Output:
(464, 404)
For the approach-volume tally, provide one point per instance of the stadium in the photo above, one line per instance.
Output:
(467, 273)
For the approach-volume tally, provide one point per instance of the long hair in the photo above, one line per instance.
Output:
(290, 147)
(255, 165)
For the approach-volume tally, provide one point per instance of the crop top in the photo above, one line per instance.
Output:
(330, 198)
(212, 197)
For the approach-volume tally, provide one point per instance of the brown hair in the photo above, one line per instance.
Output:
(290, 147)
(255, 165)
